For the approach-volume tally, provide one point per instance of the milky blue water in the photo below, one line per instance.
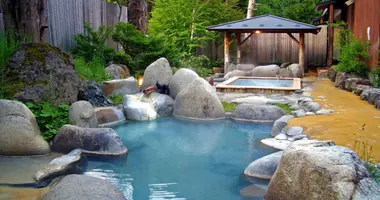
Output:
(263, 83)
(171, 158)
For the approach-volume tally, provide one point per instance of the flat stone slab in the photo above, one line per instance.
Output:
(277, 144)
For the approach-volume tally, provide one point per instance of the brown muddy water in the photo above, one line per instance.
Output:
(354, 119)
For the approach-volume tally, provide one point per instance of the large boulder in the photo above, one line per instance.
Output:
(118, 71)
(162, 104)
(135, 109)
(266, 71)
(364, 95)
(285, 73)
(157, 72)
(285, 65)
(310, 106)
(39, 72)
(19, 131)
(296, 70)
(93, 141)
(245, 67)
(280, 124)
(373, 96)
(180, 80)
(332, 74)
(257, 113)
(74, 187)
(352, 83)
(120, 86)
(71, 163)
(235, 73)
(341, 78)
(82, 114)
(109, 115)
(199, 101)
(92, 92)
(264, 168)
(316, 170)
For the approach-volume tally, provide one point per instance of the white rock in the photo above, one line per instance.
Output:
(294, 130)
(281, 136)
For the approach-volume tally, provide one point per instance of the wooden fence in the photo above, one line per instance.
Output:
(275, 48)
(66, 18)
(1, 20)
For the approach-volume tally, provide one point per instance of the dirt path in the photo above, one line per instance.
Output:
(346, 124)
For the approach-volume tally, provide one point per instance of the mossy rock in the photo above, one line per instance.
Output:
(38, 72)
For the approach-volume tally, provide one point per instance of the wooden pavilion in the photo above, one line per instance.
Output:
(262, 24)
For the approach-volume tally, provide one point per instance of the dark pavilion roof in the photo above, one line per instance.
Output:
(266, 24)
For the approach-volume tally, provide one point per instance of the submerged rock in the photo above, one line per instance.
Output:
(258, 113)
(72, 163)
(157, 72)
(93, 141)
(19, 131)
(39, 72)
(134, 109)
(180, 80)
(280, 124)
(266, 71)
(318, 170)
(198, 101)
(82, 114)
(74, 187)
(264, 168)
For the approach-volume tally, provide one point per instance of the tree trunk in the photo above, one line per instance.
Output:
(26, 18)
(251, 8)
(138, 14)
(120, 12)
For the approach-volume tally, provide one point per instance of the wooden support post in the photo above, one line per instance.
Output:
(301, 55)
(226, 50)
(330, 36)
(238, 52)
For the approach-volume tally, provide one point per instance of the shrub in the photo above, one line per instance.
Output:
(117, 99)
(229, 107)
(93, 70)
(93, 44)
(353, 58)
(286, 108)
(199, 63)
(49, 118)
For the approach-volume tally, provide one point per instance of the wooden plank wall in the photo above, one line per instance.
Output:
(1, 21)
(66, 19)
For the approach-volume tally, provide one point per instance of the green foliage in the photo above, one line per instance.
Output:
(286, 108)
(49, 118)
(377, 72)
(229, 107)
(199, 63)
(344, 35)
(117, 99)
(299, 10)
(354, 57)
(374, 171)
(182, 23)
(92, 70)
(143, 49)
(93, 44)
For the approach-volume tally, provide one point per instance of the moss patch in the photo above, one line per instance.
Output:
(229, 107)
(39, 51)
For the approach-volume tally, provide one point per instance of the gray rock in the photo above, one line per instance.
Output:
(297, 137)
(298, 113)
(364, 95)
(352, 83)
(360, 88)
(74, 187)
(377, 104)
(235, 73)
(310, 106)
(295, 107)
(264, 168)
(82, 114)
(294, 130)
(324, 112)
(277, 144)
(266, 71)
(285, 73)
(134, 109)
(109, 115)
(373, 96)
(367, 189)
(162, 104)
(285, 65)
(298, 91)
(281, 136)
(245, 67)
(92, 92)
(257, 113)
(332, 74)
(93, 141)
(180, 80)
(159, 71)
(118, 71)
(72, 163)
(310, 114)
(198, 101)
(39, 72)
(280, 124)
(120, 87)
(317, 170)
(341, 78)
(296, 70)
(19, 131)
